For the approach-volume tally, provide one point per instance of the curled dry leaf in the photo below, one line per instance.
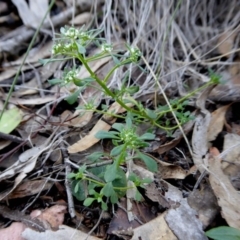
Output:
(181, 217)
(200, 130)
(231, 155)
(217, 122)
(227, 196)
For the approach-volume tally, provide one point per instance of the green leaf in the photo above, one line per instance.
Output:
(132, 89)
(10, 120)
(120, 181)
(138, 196)
(115, 60)
(146, 180)
(71, 175)
(76, 188)
(55, 81)
(71, 99)
(118, 126)
(114, 197)
(111, 173)
(88, 201)
(104, 134)
(224, 233)
(128, 122)
(95, 156)
(98, 171)
(46, 61)
(92, 192)
(80, 194)
(81, 49)
(150, 163)
(104, 206)
(117, 150)
(133, 177)
(151, 113)
(107, 190)
(147, 136)
(78, 82)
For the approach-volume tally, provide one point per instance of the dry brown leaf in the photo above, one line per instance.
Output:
(90, 139)
(64, 233)
(32, 101)
(217, 122)
(226, 41)
(227, 196)
(29, 188)
(53, 215)
(82, 18)
(157, 229)
(231, 154)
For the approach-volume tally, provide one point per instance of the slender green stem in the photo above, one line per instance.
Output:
(103, 184)
(113, 69)
(195, 91)
(105, 88)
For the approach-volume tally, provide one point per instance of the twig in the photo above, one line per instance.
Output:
(11, 138)
(71, 208)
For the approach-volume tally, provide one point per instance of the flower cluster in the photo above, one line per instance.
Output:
(73, 39)
(71, 76)
(129, 137)
(134, 54)
(106, 48)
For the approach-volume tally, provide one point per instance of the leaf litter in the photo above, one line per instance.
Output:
(184, 186)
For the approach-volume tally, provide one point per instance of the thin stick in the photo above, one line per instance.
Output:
(71, 208)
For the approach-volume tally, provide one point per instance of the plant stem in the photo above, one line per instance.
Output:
(113, 69)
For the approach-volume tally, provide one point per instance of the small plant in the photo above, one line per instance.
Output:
(108, 183)
(112, 182)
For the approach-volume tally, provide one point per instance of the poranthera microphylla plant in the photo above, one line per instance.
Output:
(109, 183)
